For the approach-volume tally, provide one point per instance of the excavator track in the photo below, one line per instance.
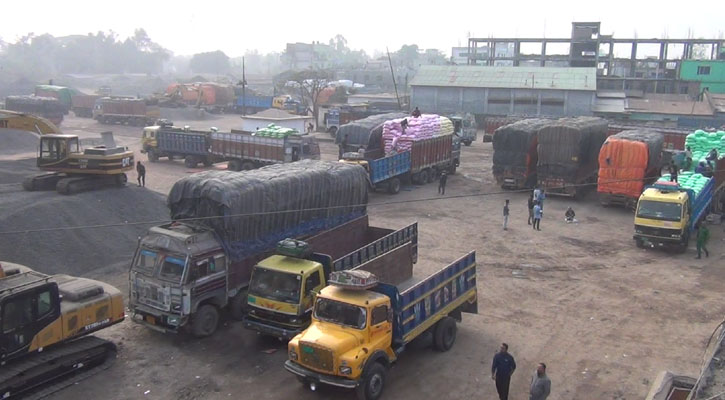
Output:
(77, 184)
(44, 373)
(42, 182)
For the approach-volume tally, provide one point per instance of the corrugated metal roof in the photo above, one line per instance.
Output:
(506, 77)
(609, 105)
(671, 107)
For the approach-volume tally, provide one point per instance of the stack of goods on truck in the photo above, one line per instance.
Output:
(258, 208)
(398, 139)
(568, 153)
(514, 153)
(628, 161)
(275, 131)
(702, 143)
(688, 180)
(366, 132)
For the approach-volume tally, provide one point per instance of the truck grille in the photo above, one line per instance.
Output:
(657, 232)
(153, 295)
(316, 357)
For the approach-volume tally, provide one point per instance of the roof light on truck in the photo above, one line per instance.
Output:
(356, 279)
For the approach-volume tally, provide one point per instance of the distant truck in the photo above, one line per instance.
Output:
(49, 108)
(283, 287)
(568, 153)
(82, 104)
(628, 161)
(515, 153)
(184, 272)
(253, 103)
(464, 128)
(125, 111)
(667, 212)
(62, 93)
(166, 140)
(361, 325)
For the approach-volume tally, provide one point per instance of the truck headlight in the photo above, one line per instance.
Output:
(293, 355)
(675, 235)
(638, 231)
(176, 307)
(345, 370)
(173, 320)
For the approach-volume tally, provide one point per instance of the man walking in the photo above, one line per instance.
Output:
(442, 183)
(506, 215)
(673, 171)
(531, 209)
(540, 384)
(141, 171)
(703, 235)
(538, 213)
(502, 369)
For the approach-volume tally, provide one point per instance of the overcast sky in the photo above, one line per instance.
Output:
(188, 27)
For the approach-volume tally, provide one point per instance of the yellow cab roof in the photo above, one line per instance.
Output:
(362, 298)
(287, 264)
(668, 196)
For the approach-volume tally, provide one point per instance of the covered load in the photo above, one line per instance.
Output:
(570, 146)
(398, 139)
(628, 160)
(275, 131)
(514, 152)
(701, 143)
(688, 180)
(366, 132)
(261, 207)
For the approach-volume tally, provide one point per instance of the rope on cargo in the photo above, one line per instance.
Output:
(386, 203)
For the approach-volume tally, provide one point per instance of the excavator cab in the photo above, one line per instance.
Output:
(56, 148)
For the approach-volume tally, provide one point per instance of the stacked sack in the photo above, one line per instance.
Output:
(425, 127)
(702, 143)
(688, 180)
(275, 131)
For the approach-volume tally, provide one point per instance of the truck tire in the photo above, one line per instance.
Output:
(373, 383)
(432, 174)
(640, 243)
(468, 142)
(208, 162)
(247, 166)
(234, 165)
(204, 322)
(452, 169)
(444, 334)
(152, 156)
(394, 186)
(423, 177)
(238, 305)
(191, 161)
(682, 246)
(121, 179)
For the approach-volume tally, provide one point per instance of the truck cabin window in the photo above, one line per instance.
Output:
(340, 313)
(380, 315)
(275, 285)
(659, 210)
(205, 267)
(172, 269)
(146, 261)
(312, 282)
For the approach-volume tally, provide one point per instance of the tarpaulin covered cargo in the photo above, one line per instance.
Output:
(261, 207)
(366, 132)
(569, 147)
(118, 106)
(627, 160)
(514, 149)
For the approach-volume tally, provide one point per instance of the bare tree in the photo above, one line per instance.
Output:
(311, 83)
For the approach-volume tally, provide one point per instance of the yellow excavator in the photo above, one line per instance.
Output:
(45, 321)
(74, 170)
(27, 122)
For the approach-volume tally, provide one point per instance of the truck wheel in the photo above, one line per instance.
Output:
(190, 161)
(444, 334)
(205, 321)
(432, 173)
(468, 142)
(639, 243)
(234, 165)
(452, 169)
(423, 177)
(371, 388)
(394, 186)
(238, 305)
(247, 166)
(121, 179)
(208, 162)
(682, 246)
(152, 156)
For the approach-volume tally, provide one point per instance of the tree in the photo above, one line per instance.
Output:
(211, 62)
(408, 55)
(311, 83)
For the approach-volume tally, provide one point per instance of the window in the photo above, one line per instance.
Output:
(17, 313)
(380, 315)
(172, 269)
(44, 304)
(312, 282)
(683, 89)
(703, 70)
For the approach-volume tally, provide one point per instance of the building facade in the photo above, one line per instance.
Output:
(710, 74)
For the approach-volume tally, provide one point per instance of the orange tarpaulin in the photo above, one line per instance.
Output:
(622, 167)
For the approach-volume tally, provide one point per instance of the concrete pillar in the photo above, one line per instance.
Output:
(511, 101)
(543, 53)
(517, 53)
(538, 103)
(632, 60)
(485, 101)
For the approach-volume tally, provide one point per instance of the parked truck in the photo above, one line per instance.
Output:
(667, 212)
(184, 272)
(515, 153)
(46, 107)
(249, 150)
(62, 93)
(465, 128)
(82, 104)
(283, 286)
(125, 111)
(628, 161)
(568, 152)
(252, 103)
(166, 140)
(361, 325)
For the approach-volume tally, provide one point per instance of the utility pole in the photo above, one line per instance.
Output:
(390, 61)
(244, 90)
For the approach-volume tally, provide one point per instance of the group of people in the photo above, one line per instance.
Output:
(706, 168)
(503, 368)
(536, 210)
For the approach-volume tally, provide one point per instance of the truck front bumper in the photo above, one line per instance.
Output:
(157, 320)
(317, 377)
(269, 329)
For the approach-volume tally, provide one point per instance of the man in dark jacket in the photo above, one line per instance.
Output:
(442, 183)
(531, 209)
(141, 170)
(673, 171)
(416, 113)
(501, 370)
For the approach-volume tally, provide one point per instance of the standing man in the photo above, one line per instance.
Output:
(506, 215)
(342, 147)
(442, 183)
(531, 209)
(502, 369)
(141, 171)
(540, 384)
(673, 171)
(538, 213)
(703, 235)
(416, 113)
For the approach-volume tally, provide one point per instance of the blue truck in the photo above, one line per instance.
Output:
(360, 325)
(253, 103)
(166, 140)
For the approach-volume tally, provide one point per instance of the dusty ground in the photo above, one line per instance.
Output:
(604, 315)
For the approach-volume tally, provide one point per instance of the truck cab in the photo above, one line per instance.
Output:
(464, 128)
(662, 217)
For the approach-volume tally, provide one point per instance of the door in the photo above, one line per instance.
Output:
(381, 326)
(313, 285)
(26, 314)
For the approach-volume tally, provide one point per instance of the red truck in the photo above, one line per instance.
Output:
(125, 111)
(82, 104)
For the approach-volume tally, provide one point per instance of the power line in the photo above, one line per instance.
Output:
(387, 203)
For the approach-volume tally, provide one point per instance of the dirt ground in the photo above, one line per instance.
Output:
(605, 316)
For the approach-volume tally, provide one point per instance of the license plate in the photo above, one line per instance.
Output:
(151, 320)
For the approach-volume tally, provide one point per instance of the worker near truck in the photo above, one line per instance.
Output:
(416, 113)
(442, 183)
(141, 171)
(530, 205)
(711, 157)
(538, 213)
(703, 235)
(502, 368)
(569, 215)
(540, 384)
(673, 171)
(506, 215)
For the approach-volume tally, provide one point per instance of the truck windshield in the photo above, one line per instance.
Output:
(146, 261)
(275, 285)
(659, 210)
(340, 313)
(172, 269)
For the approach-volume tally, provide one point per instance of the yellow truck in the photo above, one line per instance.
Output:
(361, 325)
(283, 286)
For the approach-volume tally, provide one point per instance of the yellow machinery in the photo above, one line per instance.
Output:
(45, 321)
(27, 122)
(74, 170)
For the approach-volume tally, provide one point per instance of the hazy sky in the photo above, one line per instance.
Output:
(188, 27)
